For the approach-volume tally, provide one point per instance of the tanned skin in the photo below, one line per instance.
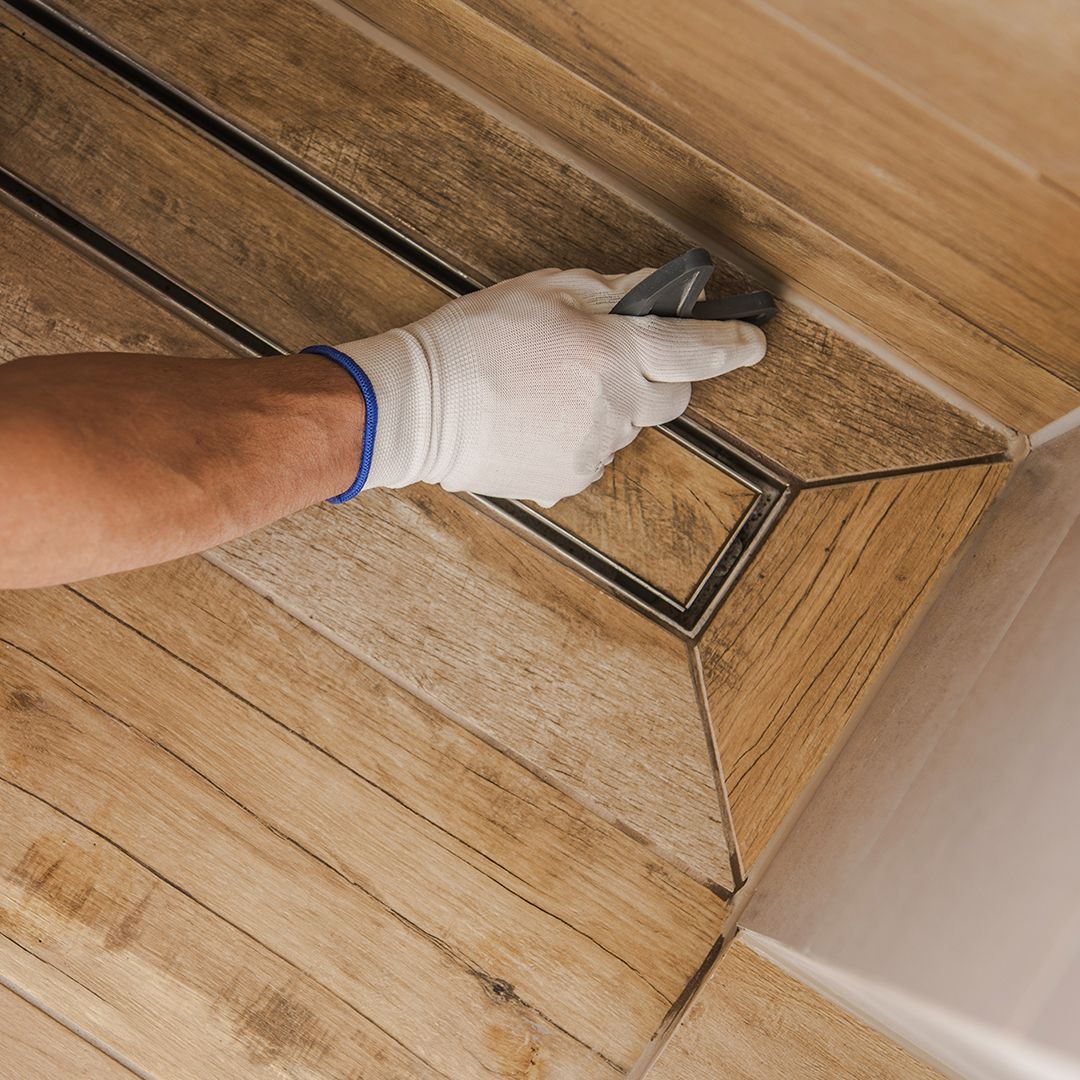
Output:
(114, 461)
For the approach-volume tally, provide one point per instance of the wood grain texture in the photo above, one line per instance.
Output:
(215, 225)
(481, 919)
(752, 1021)
(114, 945)
(564, 677)
(660, 511)
(492, 202)
(57, 301)
(855, 163)
(790, 655)
(1005, 70)
(34, 1046)
(591, 695)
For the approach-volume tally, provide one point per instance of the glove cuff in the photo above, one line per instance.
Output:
(371, 416)
(400, 376)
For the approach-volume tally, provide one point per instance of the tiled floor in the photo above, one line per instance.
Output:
(915, 170)
(389, 789)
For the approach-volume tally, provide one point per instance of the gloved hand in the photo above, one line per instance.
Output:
(526, 389)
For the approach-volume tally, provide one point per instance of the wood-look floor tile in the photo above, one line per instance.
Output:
(751, 1021)
(214, 224)
(145, 965)
(660, 511)
(56, 301)
(458, 180)
(849, 187)
(561, 675)
(792, 652)
(34, 1046)
(949, 54)
(465, 907)
(593, 696)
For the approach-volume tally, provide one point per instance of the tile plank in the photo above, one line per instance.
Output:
(384, 132)
(147, 968)
(34, 1046)
(752, 1021)
(57, 301)
(222, 229)
(592, 696)
(204, 217)
(948, 54)
(516, 827)
(788, 659)
(826, 156)
(303, 848)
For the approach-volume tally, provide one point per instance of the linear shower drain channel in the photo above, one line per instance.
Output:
(668, 529)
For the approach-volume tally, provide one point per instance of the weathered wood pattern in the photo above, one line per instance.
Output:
(660, 511)
(464, 822)
(453, 176)
(931, 224)
(217, 226)
(117, 947)
(594, 697)
(56, 301)
(1005, 70)
(34, 1046)
(452, 604)
(751, 1021)
(790, 655)
(466, 908)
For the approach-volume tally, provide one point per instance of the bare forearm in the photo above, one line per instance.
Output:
(112, 461)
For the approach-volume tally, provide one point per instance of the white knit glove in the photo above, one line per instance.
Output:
(525, 390)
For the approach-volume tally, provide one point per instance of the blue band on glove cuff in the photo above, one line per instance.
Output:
(371, 415)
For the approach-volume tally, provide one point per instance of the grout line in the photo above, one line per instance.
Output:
(697, 675)
(817, 308)
(93, 256)
(669, 1025)
(76, 1029)
(1021, 451)
(1058, 427)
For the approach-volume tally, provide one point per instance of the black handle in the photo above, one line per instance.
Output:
(672, 289)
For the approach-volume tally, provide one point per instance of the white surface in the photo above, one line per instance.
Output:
(1057, 428)
(941, 1037)
(940, 859)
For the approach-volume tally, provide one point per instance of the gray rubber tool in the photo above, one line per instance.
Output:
(673, 288)
(755, 307)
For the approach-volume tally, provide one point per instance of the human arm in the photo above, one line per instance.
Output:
(524, 390)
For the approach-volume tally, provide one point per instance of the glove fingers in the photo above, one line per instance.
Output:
(687, 350)
(660, 402)
(623, 439)
(579, 487)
